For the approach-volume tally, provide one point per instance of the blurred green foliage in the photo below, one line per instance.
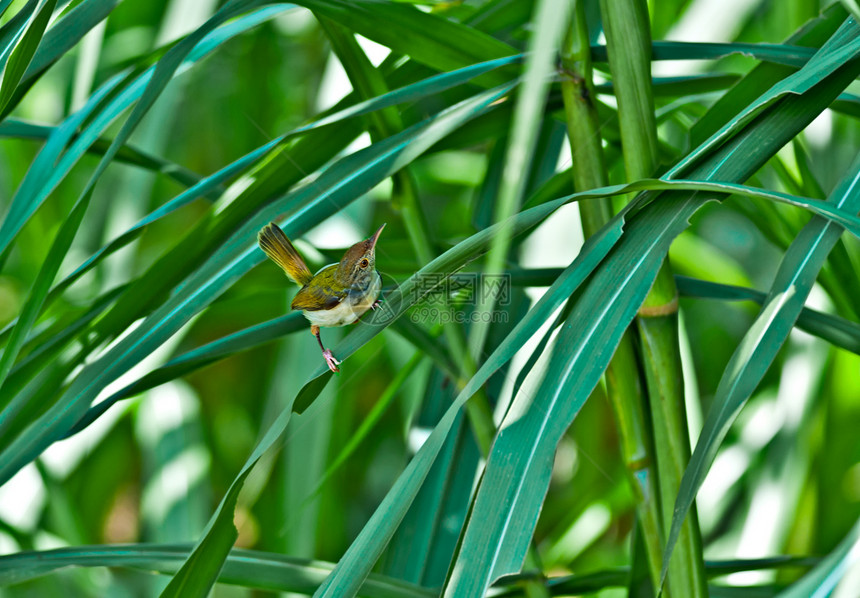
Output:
(151, 471)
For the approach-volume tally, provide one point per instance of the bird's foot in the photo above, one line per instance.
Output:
(331, 361)
(376, 304)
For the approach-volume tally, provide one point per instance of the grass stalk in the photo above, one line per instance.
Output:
(628, 39)
(623, 385)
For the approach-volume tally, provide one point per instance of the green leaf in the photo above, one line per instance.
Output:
(249, 568)
(853, 8)
(23, 54)
(778, 53)
(128, 154)
(763, 76)
(429, 39)
(64, 35)
(836, 52)
(823, 579)
(40, 289)
(4, 4)
(755, 354)
(52, 165)
(517, 472)
(835, 330)
(162, 74)
(13, 28)
(34, 188)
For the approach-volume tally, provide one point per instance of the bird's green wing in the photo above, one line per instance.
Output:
(321, 293)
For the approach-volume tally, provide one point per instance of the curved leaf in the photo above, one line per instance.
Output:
(19, 129)
(249, 568)
(23, 54)
(785, 300)
(823, 579)
(516, 479)
(835, 330)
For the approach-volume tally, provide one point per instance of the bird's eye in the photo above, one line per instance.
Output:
(364, 263)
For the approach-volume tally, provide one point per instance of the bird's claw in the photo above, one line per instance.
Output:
(376, 304)
(331, 361)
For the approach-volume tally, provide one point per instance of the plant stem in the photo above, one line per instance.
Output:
(628, 44)
(623, 385)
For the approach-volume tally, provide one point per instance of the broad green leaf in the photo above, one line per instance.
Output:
(427, 38)
(23, 54)
(248, 568)
(823, 579)
(517, 473)
(835, 330)
(755, 354)
(161, 76)
(18, 129)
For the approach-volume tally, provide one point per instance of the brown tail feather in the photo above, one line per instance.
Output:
(277, 246)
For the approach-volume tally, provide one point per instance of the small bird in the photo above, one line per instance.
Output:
(337, 295)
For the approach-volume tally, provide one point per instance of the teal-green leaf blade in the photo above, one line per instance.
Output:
(824, 577)
(23, 53)
(794, 279)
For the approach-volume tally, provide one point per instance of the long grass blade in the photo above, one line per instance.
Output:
(756, 352)
(515, 479)
(826, 575)
(835, 330)
(23, 53)
(249, 568)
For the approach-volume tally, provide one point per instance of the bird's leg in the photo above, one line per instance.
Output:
(329, 358)
(376, 303)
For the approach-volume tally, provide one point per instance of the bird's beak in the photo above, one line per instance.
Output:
(375, 237)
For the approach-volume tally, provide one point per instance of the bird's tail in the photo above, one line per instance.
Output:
(277, 246)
